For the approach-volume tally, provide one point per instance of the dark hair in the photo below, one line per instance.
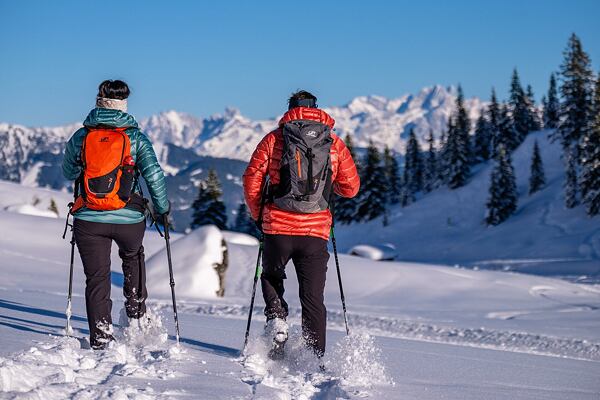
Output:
(302, 98)
(116, 89)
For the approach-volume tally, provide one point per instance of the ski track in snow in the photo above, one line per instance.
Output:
(521, 342)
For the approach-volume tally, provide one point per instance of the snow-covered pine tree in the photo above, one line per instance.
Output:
(482, 139)
(507, 135)
(570, 185)
(493, 118)
(244, 222)
(208, 206)
(345, 208)
(458, 146)
(535, 122)
(589, 180)
(372, 202)
(430, 168)
(519, 109)
(392, 174)
(551, 105)
(502, 202)
(537, 178)
(576, 92)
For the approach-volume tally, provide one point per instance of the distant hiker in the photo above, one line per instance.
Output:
(105, 157)
(304, 160)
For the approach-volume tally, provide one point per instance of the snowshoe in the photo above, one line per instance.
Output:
(277, 350)
(277, 329)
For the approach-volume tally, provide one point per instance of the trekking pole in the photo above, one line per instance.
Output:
(258, 270)
(68, 311)
(337, 266)
(172, 281)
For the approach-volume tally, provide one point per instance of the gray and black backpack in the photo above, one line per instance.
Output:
(305, 169)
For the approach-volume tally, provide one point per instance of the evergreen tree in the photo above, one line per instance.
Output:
(392, 175)
(507, 135)
(413, 165)
(373, 198)
(519, 109)
(535, 122)
(482, 139)
(52, 207)
(442, 154)
(430, 169)
(576, 92)
(502, 202)
(458, 152)
(551, 105)
(570, 185)
(345, 208)
(493, 118)
(208, 206)
(537, 178)
(590, 159)
(244, 222)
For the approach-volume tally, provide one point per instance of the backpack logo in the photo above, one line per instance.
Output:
(104, 139)
(312, 134)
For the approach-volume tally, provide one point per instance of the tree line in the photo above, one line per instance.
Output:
(570, 111)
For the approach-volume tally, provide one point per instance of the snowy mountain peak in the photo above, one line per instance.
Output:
(232, 135)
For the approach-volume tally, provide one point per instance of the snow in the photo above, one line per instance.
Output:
(33, 201)
(447, 226)
(374, 252)
(194, 259)
(418, 331)
(30, 209)
(31, 176)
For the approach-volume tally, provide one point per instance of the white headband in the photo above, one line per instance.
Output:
(115, 104)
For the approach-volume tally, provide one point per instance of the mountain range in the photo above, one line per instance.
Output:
(187, 146)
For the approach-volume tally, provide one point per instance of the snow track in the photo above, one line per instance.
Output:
(388, 326)
(66, 367)
(352, 367)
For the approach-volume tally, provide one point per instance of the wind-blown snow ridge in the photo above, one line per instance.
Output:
(521, 342)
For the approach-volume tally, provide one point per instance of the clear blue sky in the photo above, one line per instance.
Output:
(200, 56)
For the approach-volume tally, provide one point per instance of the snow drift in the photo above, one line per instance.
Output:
(195, 257)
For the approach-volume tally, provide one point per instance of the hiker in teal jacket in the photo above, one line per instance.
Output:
(94, 230)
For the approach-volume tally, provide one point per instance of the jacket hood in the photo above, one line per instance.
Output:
(312, 114)
(109, 117)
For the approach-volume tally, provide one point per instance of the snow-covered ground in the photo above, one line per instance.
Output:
(447, 226)
(418, 331)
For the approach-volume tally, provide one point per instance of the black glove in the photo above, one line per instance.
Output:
(162, 216)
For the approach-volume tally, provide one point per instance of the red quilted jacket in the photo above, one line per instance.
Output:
(266, 159)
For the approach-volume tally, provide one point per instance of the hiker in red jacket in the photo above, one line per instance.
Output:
(303, 161)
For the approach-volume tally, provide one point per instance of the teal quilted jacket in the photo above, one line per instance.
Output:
(141, 151)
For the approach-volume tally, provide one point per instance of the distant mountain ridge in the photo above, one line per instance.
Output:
(187, 146)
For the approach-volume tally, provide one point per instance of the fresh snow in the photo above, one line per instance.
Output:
(447, 226)
(197, 266)
(418, 331)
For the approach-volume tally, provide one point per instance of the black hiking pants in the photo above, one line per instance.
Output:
(309, 255)
(94, 240)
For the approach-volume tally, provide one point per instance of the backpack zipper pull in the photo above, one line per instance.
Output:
(299, 164)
